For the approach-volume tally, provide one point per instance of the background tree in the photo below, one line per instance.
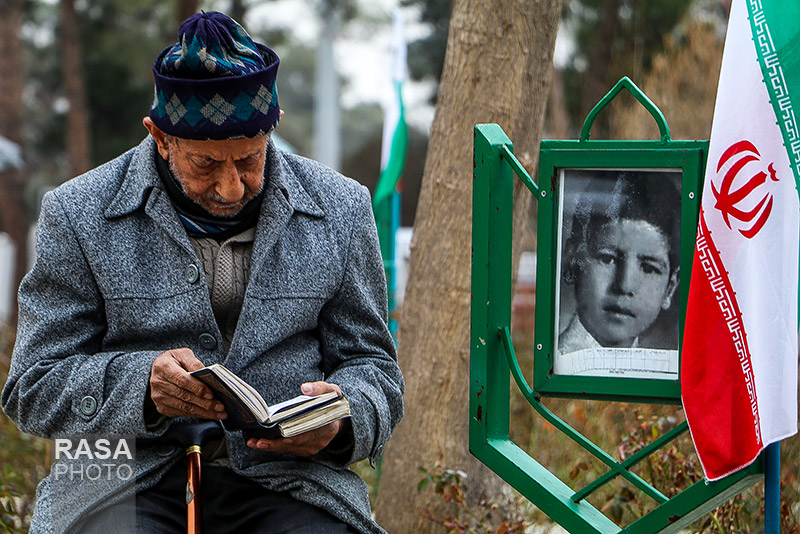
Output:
(612, 38)
(497, 69)
(682, 82)
(13, 216)
(78, 133)
(187, 8)
(426, 54)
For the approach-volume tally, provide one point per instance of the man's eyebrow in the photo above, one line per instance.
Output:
(200, 155)
(655, 259)
(255, 154)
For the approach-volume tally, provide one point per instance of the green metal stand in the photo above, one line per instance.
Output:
(493, 362)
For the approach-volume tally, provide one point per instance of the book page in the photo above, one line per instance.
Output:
(316, 419)
(287, 408)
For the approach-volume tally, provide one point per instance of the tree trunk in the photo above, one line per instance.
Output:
(598, 82)
(557, 116)
(78, 140)
(238, 10)
(497, 69)
(13, 217)
(11, 70)
(187, 8)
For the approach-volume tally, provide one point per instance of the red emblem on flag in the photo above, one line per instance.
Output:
(733, 203)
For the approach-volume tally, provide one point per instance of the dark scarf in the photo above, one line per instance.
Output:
(196, 220)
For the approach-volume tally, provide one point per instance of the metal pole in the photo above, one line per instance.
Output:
(327, 119)
(772, 489)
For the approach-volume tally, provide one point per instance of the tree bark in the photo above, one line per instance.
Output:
(187, 8)
(78, 136)
(599, 67)
(13, 217)
(557, 116)
(11, 70)
(238, 10)
(497, 69)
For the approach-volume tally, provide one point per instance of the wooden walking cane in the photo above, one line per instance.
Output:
(194, 518)
(193, 435)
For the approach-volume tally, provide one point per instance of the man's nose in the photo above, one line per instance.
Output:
(229, 184)
(627, 277)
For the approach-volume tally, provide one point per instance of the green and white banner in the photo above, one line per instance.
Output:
(395, 131)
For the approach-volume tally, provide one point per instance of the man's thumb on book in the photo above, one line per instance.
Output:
(318, 388)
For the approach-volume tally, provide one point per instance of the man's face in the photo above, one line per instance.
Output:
(220, 176)
(625, 282)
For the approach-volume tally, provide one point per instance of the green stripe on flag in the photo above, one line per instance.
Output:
(387, 182)
(776, 36)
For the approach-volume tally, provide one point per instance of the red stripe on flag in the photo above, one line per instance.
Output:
(717, 384)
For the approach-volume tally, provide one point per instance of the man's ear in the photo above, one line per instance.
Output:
(672, 285)
(159, 136)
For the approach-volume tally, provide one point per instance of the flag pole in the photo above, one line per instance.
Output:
(772, 488)
(386, 199)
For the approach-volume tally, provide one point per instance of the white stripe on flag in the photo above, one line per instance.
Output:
(739, 360)
(395, 134)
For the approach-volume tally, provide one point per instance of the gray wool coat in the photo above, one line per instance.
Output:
(115, 284)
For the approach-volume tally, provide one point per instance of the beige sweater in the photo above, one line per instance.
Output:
(227, 268)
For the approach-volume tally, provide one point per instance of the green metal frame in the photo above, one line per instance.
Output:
(555, 156)
(493, 361)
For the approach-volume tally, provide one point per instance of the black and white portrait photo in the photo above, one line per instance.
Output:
(619, 240)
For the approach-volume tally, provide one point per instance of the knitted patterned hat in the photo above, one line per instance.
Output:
(215, 82)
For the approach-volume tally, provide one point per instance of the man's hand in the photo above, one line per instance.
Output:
(175, 393)
(309, 443)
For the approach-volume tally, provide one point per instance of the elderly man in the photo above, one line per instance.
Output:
(206, 244)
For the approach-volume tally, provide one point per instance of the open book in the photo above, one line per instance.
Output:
(247, 410)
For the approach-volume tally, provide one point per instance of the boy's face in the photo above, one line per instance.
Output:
(625, 282)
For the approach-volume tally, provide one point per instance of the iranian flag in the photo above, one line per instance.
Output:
(740, 353)
(395, 131)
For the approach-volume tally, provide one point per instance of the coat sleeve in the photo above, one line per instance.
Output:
(61, 381)
(356, 342)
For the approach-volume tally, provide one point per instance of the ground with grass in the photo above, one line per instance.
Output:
(620, 428)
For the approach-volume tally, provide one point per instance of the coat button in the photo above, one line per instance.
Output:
(192, 273)
(88, 405)
(207, 341)
(165, 450)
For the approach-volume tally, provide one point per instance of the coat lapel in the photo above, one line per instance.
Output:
(159, 208)
(142, 186)
(283, 196)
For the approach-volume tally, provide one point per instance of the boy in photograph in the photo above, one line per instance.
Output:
(622, 259)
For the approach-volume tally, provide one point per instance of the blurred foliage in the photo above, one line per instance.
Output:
(612, 38)
(682, 81)
(426, 54)
(461, 517)
(23, 459)
(621, 429)
(640, 29)
(120, 40)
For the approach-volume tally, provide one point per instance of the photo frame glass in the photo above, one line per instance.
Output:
(618, 273)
